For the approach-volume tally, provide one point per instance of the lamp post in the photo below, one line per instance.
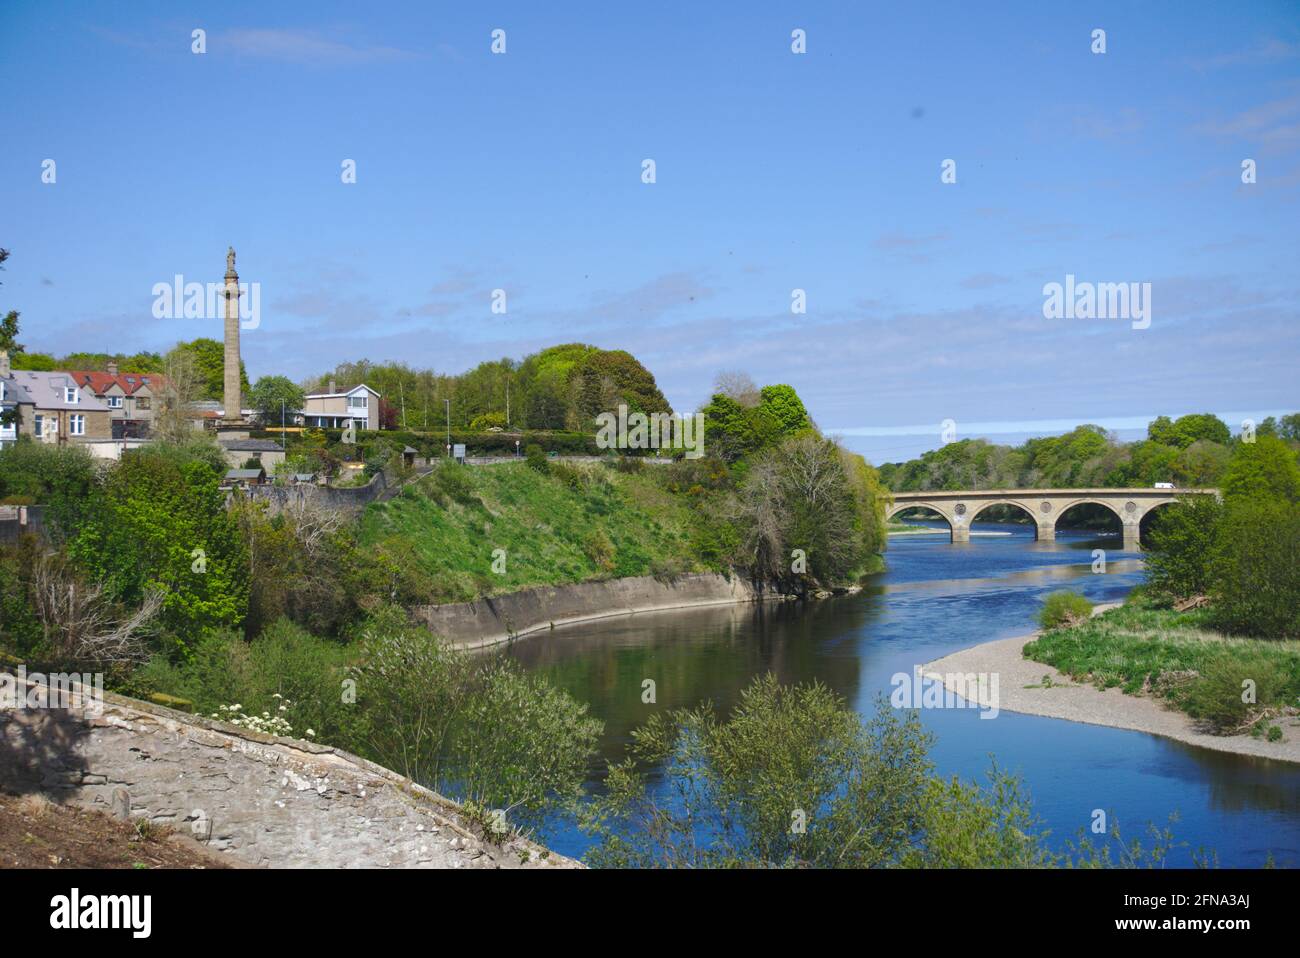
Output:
(516, 448)
(282, 425)
(448, 403)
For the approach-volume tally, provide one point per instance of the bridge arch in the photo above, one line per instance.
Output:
(934, 507)
(1027, 508)
(1118, 513)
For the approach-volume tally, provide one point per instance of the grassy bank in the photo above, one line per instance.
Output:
(579, 523)
(1145, 649)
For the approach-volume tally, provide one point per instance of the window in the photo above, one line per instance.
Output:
(71, 394)
(77, 425)
(141, 402)
(2, 392)
(114, 402)
(37, 428)
(357, 402)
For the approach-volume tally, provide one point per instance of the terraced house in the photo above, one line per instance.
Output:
(132, 398)
(60, 410)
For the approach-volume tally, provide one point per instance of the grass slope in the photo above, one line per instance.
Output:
(576, 524)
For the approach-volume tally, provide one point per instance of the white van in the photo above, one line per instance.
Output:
(1164, 485)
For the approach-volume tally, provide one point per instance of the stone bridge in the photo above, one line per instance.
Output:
(960, 508)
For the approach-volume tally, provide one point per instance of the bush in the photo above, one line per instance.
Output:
(465, 724)
(1064, 609)
(1215, 696)
(535, 456)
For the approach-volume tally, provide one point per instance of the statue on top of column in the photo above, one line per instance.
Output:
(230, 260)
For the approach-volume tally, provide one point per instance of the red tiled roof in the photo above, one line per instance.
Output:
(99, 383)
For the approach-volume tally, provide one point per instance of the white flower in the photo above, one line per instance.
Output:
(311, 732)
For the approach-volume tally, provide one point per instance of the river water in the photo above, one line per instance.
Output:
(937, 597)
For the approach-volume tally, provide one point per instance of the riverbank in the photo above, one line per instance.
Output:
(1021, 689)
(496, 619)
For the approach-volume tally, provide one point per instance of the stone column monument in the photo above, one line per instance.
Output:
(232, 398)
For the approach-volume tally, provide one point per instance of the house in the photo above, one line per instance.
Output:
(61, 409)
(245, 477)
(238, 451)
(14, 400)
(332, 410)
(132, 398)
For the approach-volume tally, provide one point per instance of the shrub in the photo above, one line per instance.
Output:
(1215, 696)
(1064, 609)
(465, 724)
(535, 456)
(599, 550)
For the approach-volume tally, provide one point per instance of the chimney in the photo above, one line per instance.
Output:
(4, 364)
(112, 369)
(332, 387)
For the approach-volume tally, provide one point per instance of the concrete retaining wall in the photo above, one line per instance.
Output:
(501, 618)
(264, 800)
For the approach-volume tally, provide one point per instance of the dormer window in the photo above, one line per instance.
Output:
(71, 394)
(115, 402)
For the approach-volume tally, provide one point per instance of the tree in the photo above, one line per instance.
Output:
(1189, 429)
(794, 778)
(1263, 469)
(162, 526)
(272, 394)
(9, 322)
(783, 404)
(1184, 536)
(736, 386)
(209, 359)
(8, 343)
(1256, 582)
(180, 390)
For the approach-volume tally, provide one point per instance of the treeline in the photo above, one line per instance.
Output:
(1192, 451)
(559, 388)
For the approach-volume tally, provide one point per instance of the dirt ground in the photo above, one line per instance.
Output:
(36, 833)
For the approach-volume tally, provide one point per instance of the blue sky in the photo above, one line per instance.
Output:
(775, 171)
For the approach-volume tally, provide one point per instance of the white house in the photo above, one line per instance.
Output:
(332, 410)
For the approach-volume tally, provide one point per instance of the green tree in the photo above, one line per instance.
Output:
(1184, 537)
(1189, 429)
(1256, 584)
(63, 479)
(209, 361)
(162, 524)
(273, 394)
(793, 778)
(783, 404)
(1263, 469)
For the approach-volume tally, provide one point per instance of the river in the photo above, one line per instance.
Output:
(937, 598)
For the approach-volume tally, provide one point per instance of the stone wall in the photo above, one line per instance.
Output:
(348, 499)
(500, 618)
(264, 800)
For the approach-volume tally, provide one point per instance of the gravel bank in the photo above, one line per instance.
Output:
(1066, 699)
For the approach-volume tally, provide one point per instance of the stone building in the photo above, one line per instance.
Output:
(61, 410)
(132, 398)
